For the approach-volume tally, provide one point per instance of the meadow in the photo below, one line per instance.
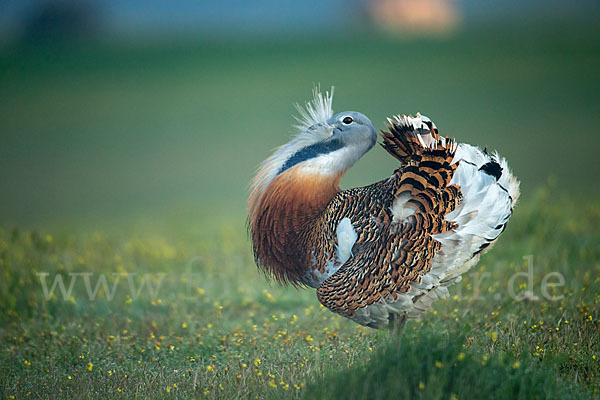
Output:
(125, 267)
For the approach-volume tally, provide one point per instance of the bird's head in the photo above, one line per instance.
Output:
(325, 145)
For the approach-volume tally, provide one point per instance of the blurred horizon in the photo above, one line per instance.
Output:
(142, 20)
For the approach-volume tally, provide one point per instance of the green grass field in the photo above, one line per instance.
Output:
(131, 163)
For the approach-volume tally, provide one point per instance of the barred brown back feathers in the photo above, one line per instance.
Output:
(389, 265)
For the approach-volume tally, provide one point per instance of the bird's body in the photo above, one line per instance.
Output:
(384, 252)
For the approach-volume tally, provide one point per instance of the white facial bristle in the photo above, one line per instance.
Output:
(316, 111)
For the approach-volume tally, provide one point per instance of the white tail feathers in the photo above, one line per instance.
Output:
(489, 192)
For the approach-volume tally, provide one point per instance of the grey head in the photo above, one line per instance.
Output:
(352, 127)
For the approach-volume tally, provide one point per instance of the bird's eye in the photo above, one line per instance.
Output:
(347, 120)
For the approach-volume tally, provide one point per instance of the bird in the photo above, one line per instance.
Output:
(383, 253)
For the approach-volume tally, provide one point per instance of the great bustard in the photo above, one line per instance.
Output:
(382, 253)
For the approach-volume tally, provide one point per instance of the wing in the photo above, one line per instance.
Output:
(391, 266)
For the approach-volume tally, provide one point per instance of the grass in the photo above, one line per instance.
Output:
(225, 333)
(130, 164)
(437, 365)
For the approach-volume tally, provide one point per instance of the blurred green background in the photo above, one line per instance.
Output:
(129, 132)
(105, 130)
